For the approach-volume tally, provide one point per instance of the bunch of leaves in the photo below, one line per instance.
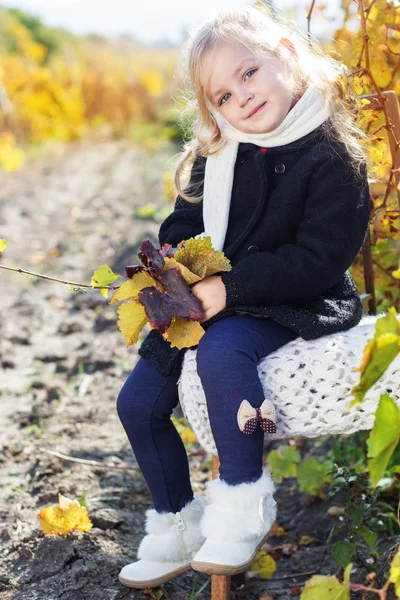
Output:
(64, 517)
(311, 474)
(159, 290)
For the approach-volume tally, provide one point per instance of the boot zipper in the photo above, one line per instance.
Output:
(181, 524)
(181, 527)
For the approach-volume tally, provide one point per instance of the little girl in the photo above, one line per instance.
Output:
(279, 182)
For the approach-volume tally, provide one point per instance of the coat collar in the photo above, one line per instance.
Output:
(306, 140)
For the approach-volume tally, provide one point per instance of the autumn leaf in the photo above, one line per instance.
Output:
(187, 434)
(188, 276)
(183, 333)
(264, 565)
(3, 245)
(130, 289)
(199, 256)
(63, 518)
(131, 320)
(305, 540)
(178, 301)
(395, 573)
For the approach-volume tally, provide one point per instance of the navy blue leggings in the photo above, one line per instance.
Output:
(227, 359)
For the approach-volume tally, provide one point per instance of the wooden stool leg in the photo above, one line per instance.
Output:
(220, 584)
(220, 587)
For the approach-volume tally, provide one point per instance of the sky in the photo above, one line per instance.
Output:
(153, 20)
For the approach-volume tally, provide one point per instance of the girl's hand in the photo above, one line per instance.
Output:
(212, 294)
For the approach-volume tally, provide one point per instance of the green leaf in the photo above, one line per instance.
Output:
(347, 572)
(322, 586)
(378, 353)
(384, 437)
(283, 464)
(343, 552)
(83, 497)
(355, 513)
(103, 276)
(369, 536)
(3, 245)
(312, 475)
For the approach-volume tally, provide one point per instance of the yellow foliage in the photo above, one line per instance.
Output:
(200, 257)
(131, 320)
(183, 333)
(395, 573)
(264, 565)
(63, 518)
(188, 276)
(131, 288)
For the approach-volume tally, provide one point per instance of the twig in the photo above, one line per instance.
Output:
(77, 285)
(386, 271)
(294, 575)
(309, 19)
(90, 463)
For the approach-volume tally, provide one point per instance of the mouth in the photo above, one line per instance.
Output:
(256, 110)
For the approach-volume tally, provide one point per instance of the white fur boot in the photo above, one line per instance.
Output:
(166, 551)
(236, 523)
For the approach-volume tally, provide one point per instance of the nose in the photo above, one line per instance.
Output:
(244, 97)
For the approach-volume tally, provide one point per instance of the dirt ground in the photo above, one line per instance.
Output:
(63, 362)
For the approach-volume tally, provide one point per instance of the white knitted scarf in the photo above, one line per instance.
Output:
(306, 115)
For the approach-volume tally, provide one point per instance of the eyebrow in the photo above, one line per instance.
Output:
(239, 68)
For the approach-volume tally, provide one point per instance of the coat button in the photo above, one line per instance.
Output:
(253, 249)
(280, 168)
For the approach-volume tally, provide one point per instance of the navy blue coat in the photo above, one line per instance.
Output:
(298, 218)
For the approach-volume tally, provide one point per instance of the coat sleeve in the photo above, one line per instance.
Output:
(330, 235)
(186, 220)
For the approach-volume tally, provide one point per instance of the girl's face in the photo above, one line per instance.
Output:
(238, 83)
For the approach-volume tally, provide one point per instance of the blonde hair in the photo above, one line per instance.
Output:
(259, 30)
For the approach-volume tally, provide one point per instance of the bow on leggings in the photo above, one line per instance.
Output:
(248, 417)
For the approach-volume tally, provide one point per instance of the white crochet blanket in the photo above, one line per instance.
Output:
(309, 383)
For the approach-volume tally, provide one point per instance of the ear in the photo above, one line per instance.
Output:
(288, 44)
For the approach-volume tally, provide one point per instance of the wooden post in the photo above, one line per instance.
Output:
(220, 584)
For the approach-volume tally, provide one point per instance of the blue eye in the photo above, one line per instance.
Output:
(251, 71)
(221, 100)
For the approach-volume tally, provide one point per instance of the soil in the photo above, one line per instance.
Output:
(63, 362)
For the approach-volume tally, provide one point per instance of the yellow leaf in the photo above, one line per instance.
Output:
(357, 86)
(131, 320)
(188, 276)
(63, 518)
(199, 256)
(3, 245)
(264, 565)
(396, 274)
(395, 573)
(305, 540)
(130, 289)
(183, 333)
(188, 436)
